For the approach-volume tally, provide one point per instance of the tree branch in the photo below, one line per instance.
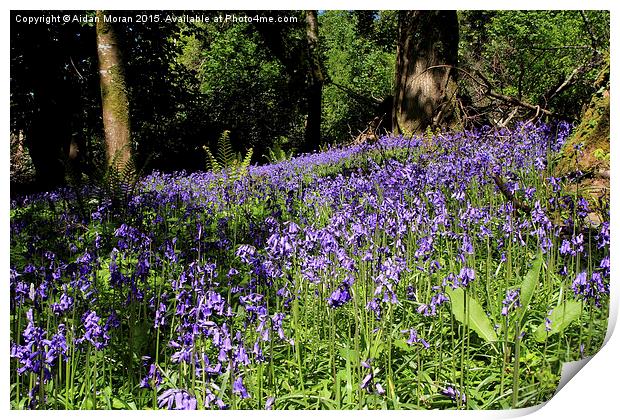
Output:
(504, 98)
(518, 204)
(593, 37)
(575, 74)
(359, 98)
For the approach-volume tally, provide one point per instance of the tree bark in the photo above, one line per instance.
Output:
(114, 102)
(425, 95)
(316, 80)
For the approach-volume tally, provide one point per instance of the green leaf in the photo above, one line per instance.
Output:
(529, 285)
(348, 354)
(402, 344)
(376, 349)
(477, 318)
(212, 163)
(224, 150)
(561, 317)
(119, 404)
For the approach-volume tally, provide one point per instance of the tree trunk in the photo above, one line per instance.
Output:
(115, 105)
(425, 92)
(315, 83)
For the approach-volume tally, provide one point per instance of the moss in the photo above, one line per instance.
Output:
(591, 134)
(103, 27)
(115, 94)
(588, 148)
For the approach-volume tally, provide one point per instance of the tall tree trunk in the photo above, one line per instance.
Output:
(425, 94)
(114, 101)
(315, 82)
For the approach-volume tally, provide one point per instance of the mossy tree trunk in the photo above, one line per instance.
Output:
(425, 91)
(316, 80)
(114, 102)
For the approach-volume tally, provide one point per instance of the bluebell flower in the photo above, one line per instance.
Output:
(466, 276)
(511, 302)
(548, 321)
(94, 333)
(415, 339)
(153, 379)
(176, 399)
(454, 394)
(63, 305)
(339, 297)
(239, 388)
(603, 236)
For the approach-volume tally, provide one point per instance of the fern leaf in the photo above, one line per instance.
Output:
(212, 163)
(245, 164)
(225, 152)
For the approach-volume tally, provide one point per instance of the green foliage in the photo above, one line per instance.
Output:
(476, 318)
(561, 317)
(115, 183)
(277, 154)
(600, 154)
(119, 182)
(529, 285)
(360, 70)
(243, 86)
(227, 160)
(529, 54)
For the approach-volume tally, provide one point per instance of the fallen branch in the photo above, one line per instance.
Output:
(504, 98)
(504, 123)
(523, 104)
(516, 203)
(575, 74)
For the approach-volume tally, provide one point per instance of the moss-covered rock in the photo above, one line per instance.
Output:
(587, 150)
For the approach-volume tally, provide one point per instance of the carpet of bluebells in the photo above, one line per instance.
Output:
(395, 275)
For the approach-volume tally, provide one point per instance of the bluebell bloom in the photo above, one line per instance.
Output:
(239, 388)
(466, 276)
(94, 333)
(176, 399)
(454, 394)
(415, 339)
(511, 301)
(339, 297)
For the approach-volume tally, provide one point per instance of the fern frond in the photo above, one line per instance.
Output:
(245, 164)
(224, 150)
(212, 163)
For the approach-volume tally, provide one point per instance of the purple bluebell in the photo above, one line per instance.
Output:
(466, 276)
(94, 333)
(239, 388)
(454, 394)
(176, 399)
(415, 339)
(153, 379)
(511, 302)
(339, 297)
